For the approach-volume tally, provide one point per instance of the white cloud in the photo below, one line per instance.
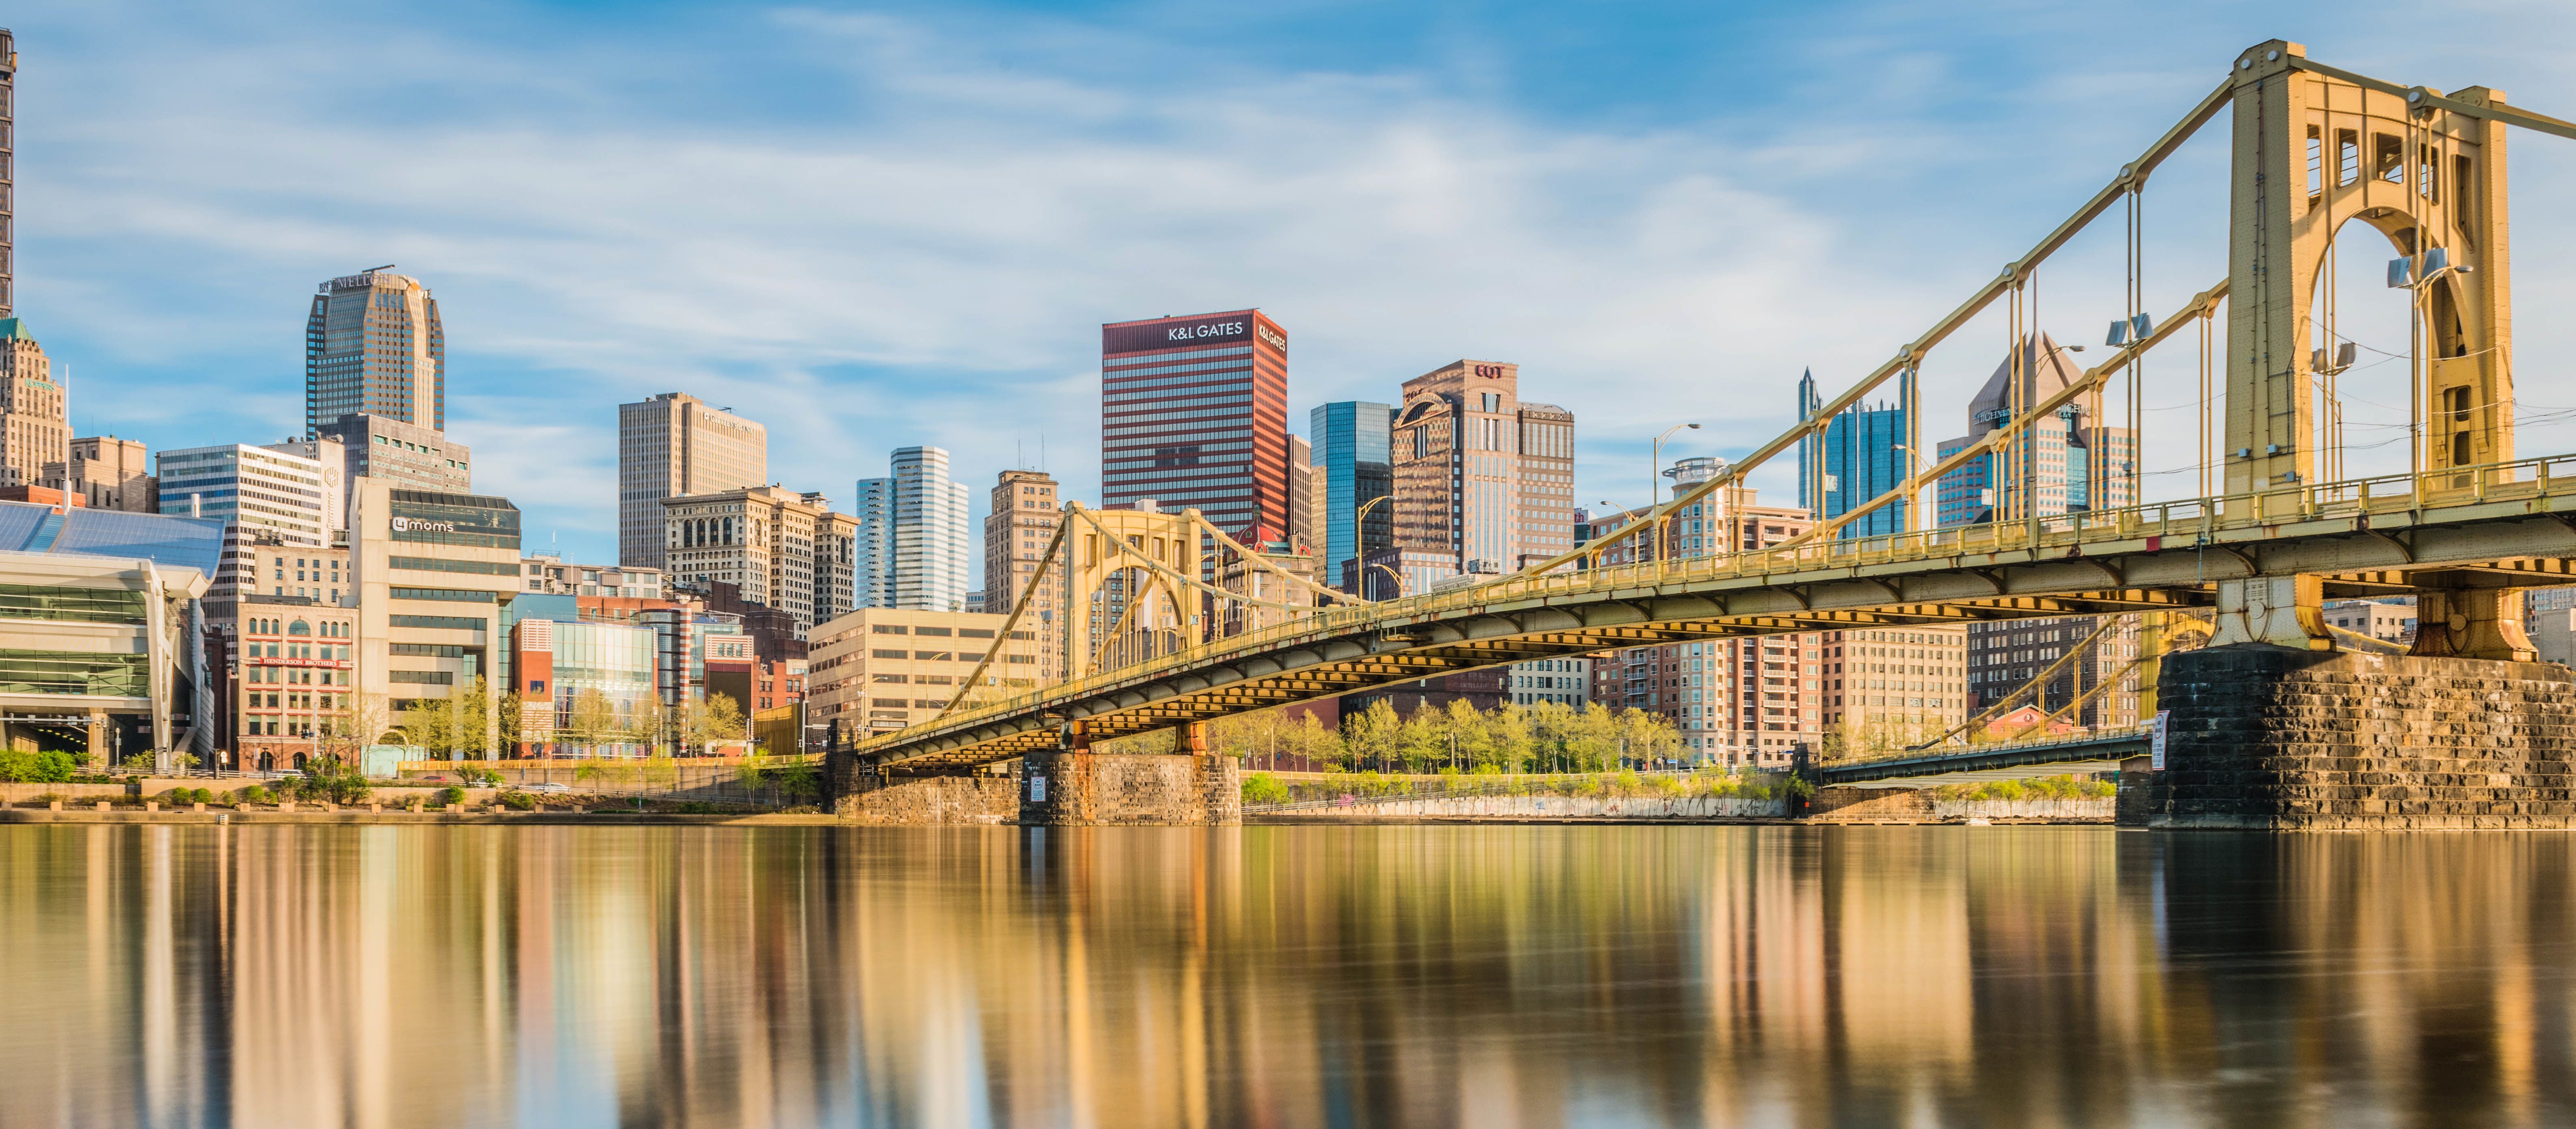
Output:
(868, 231)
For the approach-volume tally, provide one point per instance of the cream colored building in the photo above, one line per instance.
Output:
(886, 668)
(784, 549)
(35, 410)
(1018, 526)
(107, 473)
(675, 445)
(436, 573)
(1889, 687)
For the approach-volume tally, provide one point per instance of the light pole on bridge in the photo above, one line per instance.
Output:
(1655, 504)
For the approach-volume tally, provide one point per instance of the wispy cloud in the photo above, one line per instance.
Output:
(876, 229)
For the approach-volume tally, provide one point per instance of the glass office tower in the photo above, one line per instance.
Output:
(1353, 467)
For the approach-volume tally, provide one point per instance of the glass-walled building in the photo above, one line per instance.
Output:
(1860, 456)
(587, 689)
(1353, 468)
(102, 613)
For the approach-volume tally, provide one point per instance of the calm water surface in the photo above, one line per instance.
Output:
(1484, 976)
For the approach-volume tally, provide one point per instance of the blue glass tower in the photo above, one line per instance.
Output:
(1355, 465)
(1862, 455)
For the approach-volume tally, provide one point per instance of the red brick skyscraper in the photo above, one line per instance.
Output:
(1194, 415)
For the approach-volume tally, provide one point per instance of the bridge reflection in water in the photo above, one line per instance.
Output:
(1285, 976)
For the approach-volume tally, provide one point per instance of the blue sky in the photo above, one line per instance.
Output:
(869, 227)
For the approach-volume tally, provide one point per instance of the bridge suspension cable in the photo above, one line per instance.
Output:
(2036, 682)
(2013, 275)
(2199, 308)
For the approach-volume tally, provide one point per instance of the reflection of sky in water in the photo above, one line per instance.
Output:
(1500, 976)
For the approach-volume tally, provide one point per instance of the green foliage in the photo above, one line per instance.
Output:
(1263, 788)
(516, 800)
(251, 794)
(450, 795)
(1545, 737)
(329, 778)
(714, 717)
(459, 726)
(2038, 788)
(37, 768)
(799, 778)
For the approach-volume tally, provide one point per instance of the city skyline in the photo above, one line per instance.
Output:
(1670, 234)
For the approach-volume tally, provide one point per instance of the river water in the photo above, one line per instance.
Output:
(1284, 976)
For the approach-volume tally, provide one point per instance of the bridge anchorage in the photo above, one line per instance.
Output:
(2276, 723)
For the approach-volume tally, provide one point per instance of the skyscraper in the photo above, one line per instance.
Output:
(415, 457)
(8, 171)
(286, 493)
(35, 409)
(914, 548)
(778, 547)
(1018, 525)
(1023, 518)
(2059, 456)
(373, 344)
(674, 445)
(1480, 474)
(1353, 469)
(1860, 456)
(1194, 415)
(2064, 464)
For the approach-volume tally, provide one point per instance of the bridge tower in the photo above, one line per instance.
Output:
(2315, 149)
(1130, 604)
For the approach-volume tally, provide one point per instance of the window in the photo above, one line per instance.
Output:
(456, 595)
(440, 622)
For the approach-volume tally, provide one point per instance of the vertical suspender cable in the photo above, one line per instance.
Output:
(2137, 361)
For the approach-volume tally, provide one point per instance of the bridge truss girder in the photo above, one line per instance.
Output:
(2473, 545)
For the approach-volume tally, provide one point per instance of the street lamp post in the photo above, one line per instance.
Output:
(2418, 457)
(1654, 504)
(1399, 579)
(1359, 542)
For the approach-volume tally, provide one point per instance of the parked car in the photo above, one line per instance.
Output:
(548, 786)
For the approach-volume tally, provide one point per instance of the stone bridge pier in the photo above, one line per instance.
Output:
(1067, 787)
(1075, 787)
(2278, 731)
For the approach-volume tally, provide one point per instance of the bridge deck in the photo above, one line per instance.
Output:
(2508, 525)
(2083, 752)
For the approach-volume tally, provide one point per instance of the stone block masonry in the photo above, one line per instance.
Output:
(2273, 738)
(928, 799)
(1085, 789)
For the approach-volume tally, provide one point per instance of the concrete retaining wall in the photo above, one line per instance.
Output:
(1546, 807)
(2091, 810)
(2268, 737)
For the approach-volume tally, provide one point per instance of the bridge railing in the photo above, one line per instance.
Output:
(2194, 519)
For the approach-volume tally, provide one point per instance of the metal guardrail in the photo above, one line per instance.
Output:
(2189, 521)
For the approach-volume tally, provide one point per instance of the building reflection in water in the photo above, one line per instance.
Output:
(1496, 976)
